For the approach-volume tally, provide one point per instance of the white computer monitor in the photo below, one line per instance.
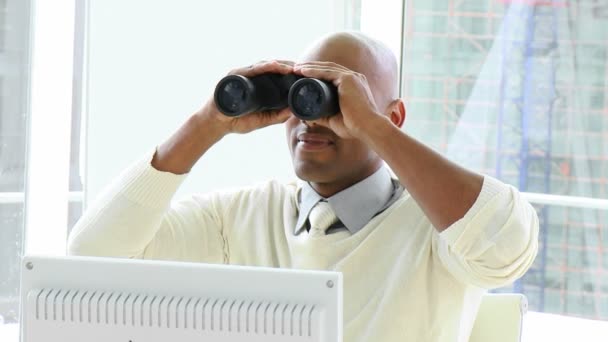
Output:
(75, 299)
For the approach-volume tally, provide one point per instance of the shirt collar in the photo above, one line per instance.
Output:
(354, 206)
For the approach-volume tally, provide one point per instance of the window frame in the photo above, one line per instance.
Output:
(48, 150)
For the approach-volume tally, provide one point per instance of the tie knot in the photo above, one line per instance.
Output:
(321, 217)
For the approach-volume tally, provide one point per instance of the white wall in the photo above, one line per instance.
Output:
(151, 64)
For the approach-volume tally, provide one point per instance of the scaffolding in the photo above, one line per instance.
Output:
(535, 101)
(533, 77)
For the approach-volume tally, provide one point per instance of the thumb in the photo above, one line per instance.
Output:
(277, 118)
(283, 115)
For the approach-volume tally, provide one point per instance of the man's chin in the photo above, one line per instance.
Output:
(312, 173)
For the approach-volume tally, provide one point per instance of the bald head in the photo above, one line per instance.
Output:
(364, 55)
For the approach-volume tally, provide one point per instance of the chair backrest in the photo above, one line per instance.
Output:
(500, 318)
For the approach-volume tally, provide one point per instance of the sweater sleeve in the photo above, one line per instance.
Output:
(496, 241)
(135, 218)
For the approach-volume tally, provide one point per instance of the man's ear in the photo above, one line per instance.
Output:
(397, 112)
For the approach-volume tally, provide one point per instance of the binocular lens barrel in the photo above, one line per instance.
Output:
(308, 98)
(311, 99)
(235, 96)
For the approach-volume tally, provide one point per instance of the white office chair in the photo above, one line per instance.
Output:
(500, 318)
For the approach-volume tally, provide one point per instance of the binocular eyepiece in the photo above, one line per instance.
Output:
(308, 98)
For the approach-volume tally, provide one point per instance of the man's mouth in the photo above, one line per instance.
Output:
(313, 141)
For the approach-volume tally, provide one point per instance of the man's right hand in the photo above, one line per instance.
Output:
(252, 121)
(208, 125)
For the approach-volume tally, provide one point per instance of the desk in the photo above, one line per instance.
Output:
(539, 327)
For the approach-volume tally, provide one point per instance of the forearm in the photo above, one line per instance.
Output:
(206, 127)
(495, 243)
(444, 190)
(186, 146)
(121, 228)
(127, 215)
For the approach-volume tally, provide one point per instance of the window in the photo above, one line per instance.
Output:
(14, 85)
(515, 89)
(38, 66)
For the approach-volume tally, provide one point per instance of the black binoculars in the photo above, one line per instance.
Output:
(308, 98)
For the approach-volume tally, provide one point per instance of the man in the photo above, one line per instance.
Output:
(417, 252)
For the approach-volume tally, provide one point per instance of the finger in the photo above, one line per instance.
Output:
(320, 67)
(275, 117)
(241, 70)
(286, 62)
(323, 64)
(328, 74)
(336, 68)
(278, 62)
(321, 122)
(249, 67)
(262, 68)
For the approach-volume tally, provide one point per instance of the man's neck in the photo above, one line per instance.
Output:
(329, 189)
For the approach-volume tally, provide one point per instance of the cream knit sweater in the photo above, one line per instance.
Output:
(403, 281)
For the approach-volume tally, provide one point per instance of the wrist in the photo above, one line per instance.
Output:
(207, 121)
(181, 151)
(376, 125)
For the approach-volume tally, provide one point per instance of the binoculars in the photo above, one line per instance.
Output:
(308, 98)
